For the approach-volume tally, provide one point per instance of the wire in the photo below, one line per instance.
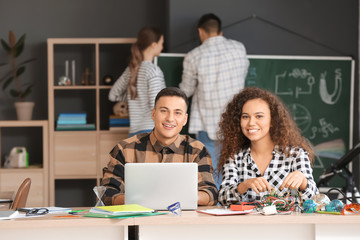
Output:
(254, 16)
(342, 193)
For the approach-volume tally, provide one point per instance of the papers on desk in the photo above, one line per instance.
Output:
(53, 209)
(223, 212)
(4, 215)
(121, 210)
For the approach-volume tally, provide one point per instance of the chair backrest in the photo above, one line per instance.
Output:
(22, 195)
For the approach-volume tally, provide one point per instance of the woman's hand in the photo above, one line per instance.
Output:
(257, 184)
(294, 180)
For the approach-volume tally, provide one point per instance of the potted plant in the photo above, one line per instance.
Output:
(20, 90)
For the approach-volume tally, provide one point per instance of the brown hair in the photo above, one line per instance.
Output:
(283, 131)
(145, 38)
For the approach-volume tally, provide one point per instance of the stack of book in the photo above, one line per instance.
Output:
(117, 122)
(119, 211)
(73, 121)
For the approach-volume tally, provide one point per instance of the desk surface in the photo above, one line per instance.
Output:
(54, 221)
(187, 217)
(191, 225)
(193, 217)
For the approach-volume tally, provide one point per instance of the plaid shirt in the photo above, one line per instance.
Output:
(145, 148)
(243, 167)
(213, 73)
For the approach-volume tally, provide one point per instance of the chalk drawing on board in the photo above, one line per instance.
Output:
(251, 76)
(304, 87)
(317, 162)
(301, 116)
(335, 95)
(325, 129)
(333, 149)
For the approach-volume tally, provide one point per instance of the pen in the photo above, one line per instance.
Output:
(75, 212)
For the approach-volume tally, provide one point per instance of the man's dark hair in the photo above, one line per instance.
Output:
(210, 23)
(171, 92)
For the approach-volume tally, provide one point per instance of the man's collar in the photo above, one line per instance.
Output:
(158, 146)
(213, 39)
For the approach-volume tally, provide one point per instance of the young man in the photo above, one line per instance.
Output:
(212, 73)
(163, 144)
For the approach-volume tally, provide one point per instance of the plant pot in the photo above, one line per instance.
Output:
(24, 110)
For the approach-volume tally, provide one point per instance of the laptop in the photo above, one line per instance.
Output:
(158, 185)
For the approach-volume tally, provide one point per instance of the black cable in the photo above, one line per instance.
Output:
(254, 16)
(342, 193)
(300, 35)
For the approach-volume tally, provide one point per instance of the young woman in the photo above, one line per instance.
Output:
(141, 80)
(262, 149)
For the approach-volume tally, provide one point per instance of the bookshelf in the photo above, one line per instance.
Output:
(34, 136)
(80, 155)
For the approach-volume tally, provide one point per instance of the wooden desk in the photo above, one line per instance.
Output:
(54, 228)
(193, 225)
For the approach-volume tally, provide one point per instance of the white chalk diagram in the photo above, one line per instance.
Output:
(301, 116)
(296, 73)
(332, 149)
(330, 98)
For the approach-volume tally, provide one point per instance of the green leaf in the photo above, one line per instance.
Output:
(27, 61)
(20, 71)
(7, 83)
(26, 92)
(5, 46)
(21, 41)
(14, 93)
(18, 50)
(19, 46)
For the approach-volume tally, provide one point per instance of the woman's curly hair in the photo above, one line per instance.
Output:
(283, 129)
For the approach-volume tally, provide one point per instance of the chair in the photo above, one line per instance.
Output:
(21, 195)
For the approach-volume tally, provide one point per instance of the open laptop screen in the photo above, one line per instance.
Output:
(158, 185)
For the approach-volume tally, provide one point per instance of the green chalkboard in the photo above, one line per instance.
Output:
(317, 90)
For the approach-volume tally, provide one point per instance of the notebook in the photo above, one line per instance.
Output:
(158, 185)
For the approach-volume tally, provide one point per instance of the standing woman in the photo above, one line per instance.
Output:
(141, 80)
(262, 149)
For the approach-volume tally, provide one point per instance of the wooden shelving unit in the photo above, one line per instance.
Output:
(11, 178)
(82, 154)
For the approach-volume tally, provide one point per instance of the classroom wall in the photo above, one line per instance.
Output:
(308, 27)
(277, 27)
(41, 19)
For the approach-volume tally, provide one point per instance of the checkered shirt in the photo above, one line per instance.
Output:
(213, 73)
(243, 167)
(146, 148)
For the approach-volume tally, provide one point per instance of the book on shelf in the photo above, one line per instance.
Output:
(72, 118)
(121, 210)
(73, 121)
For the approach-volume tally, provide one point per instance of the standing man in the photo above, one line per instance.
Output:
(212, 73)
(163, 144)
